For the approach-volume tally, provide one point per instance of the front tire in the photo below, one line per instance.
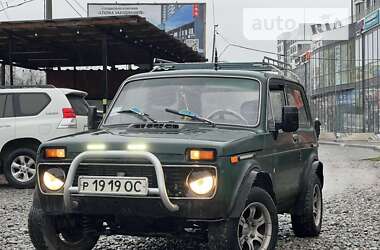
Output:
(256, 228)
(307, 221)
(20, 168)
(46, 235)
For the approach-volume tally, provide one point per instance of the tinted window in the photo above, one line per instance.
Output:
(295, 99)
(79, 105)
(9, 108)
(278, 101)
(2, 104)
(31, 104)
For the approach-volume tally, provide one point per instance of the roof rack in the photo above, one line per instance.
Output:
(268, 65)
(45, 86)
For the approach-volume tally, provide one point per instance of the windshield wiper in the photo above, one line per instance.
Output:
(191, 115)
(143, 116)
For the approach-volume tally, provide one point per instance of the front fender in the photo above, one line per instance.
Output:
(241, 194)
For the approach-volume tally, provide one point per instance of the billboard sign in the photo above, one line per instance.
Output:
(185, 22)
(372, 20)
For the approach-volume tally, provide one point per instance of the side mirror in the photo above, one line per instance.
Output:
(93, 118)
(290, 119)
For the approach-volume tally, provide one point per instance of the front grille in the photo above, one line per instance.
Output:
(175, 176)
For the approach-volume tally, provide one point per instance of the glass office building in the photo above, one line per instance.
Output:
(343, 79)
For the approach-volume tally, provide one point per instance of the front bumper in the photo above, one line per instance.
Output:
(134, 207)
(157, 204)
(161, 190)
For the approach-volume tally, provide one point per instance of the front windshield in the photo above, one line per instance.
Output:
(232, 101)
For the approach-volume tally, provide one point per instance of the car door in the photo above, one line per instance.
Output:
(7, 120)
(285, 157)
(31, 121)
(304, 137)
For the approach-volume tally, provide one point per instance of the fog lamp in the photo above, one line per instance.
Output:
(96, 147)
(201, 182)
(54, 179)
(137, 147)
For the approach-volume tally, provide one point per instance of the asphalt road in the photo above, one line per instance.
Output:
(351, 210)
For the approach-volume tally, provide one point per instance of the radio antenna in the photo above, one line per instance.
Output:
(215, 26)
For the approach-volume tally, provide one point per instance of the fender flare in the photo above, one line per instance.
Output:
(238, 201)
(314, 166)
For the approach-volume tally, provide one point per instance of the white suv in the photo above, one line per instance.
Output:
(30, 115)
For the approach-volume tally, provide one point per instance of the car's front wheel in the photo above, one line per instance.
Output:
(63, 233)
(256, 228)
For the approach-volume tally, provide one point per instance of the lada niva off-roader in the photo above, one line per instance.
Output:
(201, 152)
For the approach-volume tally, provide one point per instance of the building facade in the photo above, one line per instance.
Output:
(342, 78)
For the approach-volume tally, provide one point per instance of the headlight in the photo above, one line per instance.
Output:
(54, 179)
(201, 183)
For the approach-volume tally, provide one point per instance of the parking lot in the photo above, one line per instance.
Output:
(351, 210)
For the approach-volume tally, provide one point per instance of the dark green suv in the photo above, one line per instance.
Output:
(213, 153)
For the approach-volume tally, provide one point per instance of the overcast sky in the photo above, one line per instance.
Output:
(228, 15)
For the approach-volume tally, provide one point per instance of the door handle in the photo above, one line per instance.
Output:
(5, 126)
(295, 138)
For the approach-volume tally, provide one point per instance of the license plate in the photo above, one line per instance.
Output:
(135, 186)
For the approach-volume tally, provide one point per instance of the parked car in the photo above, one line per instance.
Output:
(214, 153)
(30, 115)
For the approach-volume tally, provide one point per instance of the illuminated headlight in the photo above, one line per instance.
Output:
(201, 182)
(54, 179)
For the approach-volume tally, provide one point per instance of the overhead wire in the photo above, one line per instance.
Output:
(73, 8)
(16, 5)
(5, 12)
(80, 6)
(230, 44)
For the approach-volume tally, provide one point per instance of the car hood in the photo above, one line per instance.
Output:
(173, 141)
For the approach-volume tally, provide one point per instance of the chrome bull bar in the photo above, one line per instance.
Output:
(161, 190)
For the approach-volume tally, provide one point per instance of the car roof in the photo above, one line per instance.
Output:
(73, 92)
(64, 91)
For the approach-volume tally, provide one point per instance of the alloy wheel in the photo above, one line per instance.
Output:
(23, 168)
(317, 205)
(255, 227)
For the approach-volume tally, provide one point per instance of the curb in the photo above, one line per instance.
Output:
(376, 148)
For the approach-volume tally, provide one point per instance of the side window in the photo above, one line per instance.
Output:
(79, 104)
(296, 99)
(31, 104)
(9, 108)
(277, 102)
(269, 110)
(2, 105)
